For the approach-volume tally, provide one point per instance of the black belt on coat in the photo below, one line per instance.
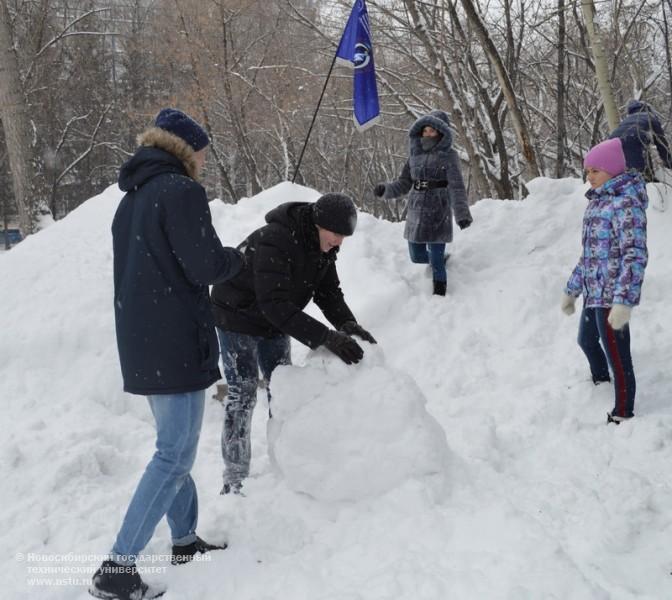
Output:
(421, 184)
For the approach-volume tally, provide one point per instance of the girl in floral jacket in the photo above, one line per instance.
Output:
(610, 271)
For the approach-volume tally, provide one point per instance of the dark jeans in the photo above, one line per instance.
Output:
(432, 254)
(594, 329)
(243, 356)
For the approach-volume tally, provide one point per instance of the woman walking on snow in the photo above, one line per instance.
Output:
(610, 271)
(432, 175)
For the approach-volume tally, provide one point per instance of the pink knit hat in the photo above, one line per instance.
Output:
(606, 156)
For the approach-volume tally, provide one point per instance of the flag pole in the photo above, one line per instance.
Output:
(310, 129)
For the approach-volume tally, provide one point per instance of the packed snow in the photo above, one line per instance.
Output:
(343, 451)
(465, 457)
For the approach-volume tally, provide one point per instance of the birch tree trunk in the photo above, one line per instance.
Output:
(601, 66)
(17, 128)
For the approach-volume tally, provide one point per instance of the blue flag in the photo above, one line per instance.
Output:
(356, 51)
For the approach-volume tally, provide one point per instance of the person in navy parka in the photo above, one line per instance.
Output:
(637, 131)
(166, 253)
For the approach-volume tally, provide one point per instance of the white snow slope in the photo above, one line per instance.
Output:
(540, 500)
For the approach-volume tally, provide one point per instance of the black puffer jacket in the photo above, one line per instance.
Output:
(166, 252)
(284, 270)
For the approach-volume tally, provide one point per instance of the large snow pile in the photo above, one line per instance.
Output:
(542, 501)
(327, 436)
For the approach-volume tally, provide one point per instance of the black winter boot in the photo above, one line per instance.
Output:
(185, 554)
(439, 288)
(113, 581)
(617, 420)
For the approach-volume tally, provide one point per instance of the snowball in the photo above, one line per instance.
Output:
(345, 432)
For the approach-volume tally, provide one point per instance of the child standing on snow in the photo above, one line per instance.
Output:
(610, 271)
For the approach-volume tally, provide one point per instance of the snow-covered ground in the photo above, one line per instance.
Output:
(520, 492)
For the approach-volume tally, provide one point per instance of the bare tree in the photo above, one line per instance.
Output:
(517, 78)
(560, 110)
(601, 66)
(21, 147)
(504, 79)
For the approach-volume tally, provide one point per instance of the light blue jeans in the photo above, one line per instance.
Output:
(432, 254)
(166, 487)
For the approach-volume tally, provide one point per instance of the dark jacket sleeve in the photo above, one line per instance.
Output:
(329, 299)
(661, 144)
(272, 285)
(400, 186)
(188, 225)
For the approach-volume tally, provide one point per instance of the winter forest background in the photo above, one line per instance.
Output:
(80, 78)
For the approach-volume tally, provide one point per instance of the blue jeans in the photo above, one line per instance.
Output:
(166, 488)
(432, 254)
(243, 356)
(594, 329)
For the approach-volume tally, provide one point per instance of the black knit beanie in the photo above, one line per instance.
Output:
(336, 213)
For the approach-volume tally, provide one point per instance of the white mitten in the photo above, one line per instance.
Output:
(619, 315)
(567, 304)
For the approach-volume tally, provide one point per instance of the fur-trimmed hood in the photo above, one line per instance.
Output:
(160, 138)
(439, 121)
(159, 152)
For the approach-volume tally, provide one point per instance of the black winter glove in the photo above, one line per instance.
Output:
(379, 190)
(343, 346)
(464, 223)
(354, 328)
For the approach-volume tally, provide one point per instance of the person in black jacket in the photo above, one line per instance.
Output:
(166, 252)
(640, 128)
(289, 261)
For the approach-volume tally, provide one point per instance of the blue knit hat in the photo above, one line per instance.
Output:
(176, 122)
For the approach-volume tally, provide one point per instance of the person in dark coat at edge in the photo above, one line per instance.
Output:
(637, 131)
(432, 175)
(289, 261)
(166, 252)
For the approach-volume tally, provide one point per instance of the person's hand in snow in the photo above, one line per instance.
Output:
(354, 328)
(343, 346)
(464, 223)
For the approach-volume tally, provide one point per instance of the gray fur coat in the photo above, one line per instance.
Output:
(430, 212)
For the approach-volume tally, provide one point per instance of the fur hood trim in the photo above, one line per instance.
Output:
(439, 121)
(160, 138)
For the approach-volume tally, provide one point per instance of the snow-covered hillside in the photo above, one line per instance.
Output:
(539, 498)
